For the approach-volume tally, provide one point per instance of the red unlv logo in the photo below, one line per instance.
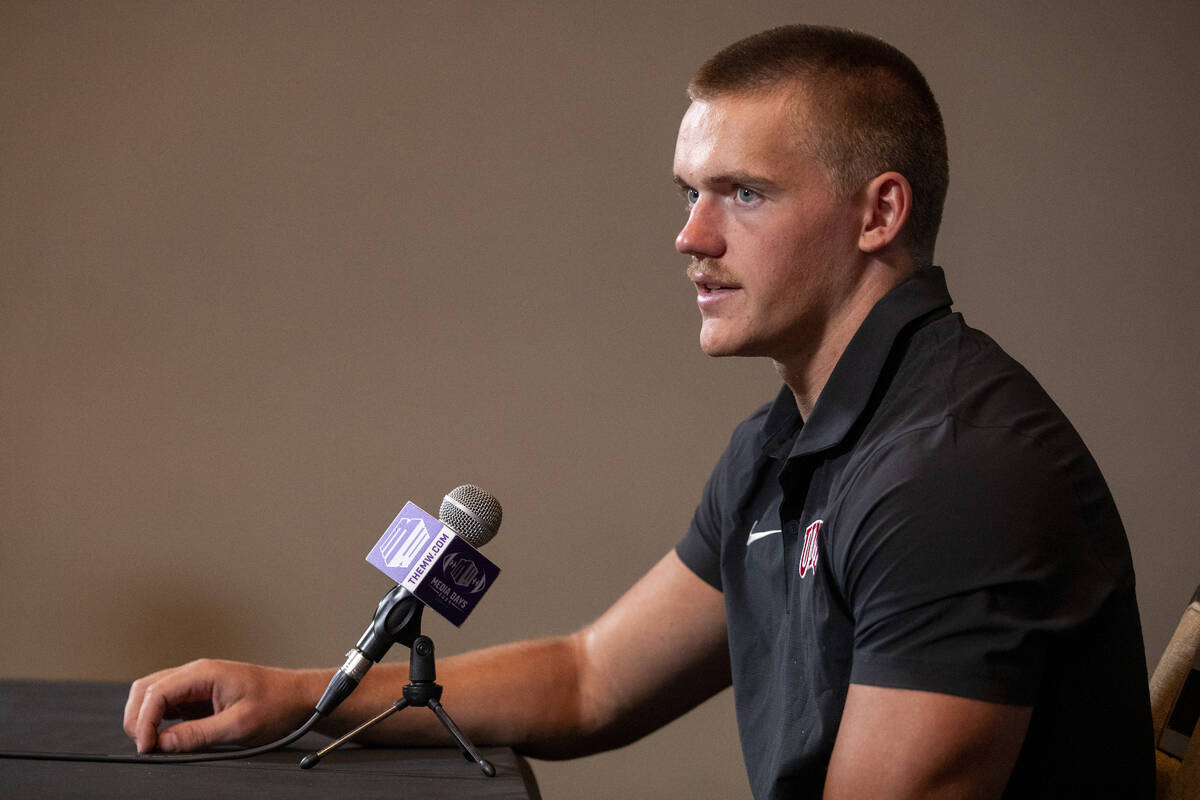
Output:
(808, 556)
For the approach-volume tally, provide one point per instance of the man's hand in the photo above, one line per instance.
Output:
(225, 702)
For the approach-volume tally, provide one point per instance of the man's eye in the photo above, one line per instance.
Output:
(746, 195)
(692, 196)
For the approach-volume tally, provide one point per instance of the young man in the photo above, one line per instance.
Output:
(908, 565)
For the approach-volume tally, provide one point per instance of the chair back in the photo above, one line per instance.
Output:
(1174, 702)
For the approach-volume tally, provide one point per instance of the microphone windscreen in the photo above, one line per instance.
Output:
(472, 513)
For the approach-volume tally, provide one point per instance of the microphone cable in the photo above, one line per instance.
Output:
(182, 758)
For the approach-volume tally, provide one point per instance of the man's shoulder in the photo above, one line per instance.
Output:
(964, 431)
(958, 411)
(949, 370)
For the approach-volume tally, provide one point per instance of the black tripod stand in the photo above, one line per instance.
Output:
(422, 689)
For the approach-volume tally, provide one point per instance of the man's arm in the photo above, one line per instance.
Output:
(657, 652)
(902, 743)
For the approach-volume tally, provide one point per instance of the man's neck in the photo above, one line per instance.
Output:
(807, 371)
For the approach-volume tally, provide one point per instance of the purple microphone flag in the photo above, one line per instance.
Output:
(422, 554)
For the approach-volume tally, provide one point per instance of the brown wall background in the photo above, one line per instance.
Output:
(268, 270)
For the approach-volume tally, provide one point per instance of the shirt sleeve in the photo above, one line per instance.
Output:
(968, 558)
(700, 548)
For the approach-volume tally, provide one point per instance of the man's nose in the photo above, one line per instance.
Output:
(700, 236)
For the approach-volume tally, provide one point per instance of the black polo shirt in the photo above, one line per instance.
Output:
(937, 524)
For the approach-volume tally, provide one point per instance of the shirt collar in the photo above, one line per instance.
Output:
(856, 372)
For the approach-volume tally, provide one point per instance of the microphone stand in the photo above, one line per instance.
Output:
(422, 689)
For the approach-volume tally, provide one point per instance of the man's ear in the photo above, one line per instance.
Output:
(887, 202)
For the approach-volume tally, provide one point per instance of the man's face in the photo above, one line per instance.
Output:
(773, 248)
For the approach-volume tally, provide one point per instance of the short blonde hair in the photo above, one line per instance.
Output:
(869, 109)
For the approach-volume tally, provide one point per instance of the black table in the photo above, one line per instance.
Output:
(85, 717)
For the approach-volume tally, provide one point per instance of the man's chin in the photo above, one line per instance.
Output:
(717, 348)
(721, 340)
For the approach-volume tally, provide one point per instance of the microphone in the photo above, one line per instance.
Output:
(471, 514)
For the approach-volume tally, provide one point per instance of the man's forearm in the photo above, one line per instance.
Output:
(656, 653)
(524, 695)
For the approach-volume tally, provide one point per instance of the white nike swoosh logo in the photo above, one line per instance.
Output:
(759, 534)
